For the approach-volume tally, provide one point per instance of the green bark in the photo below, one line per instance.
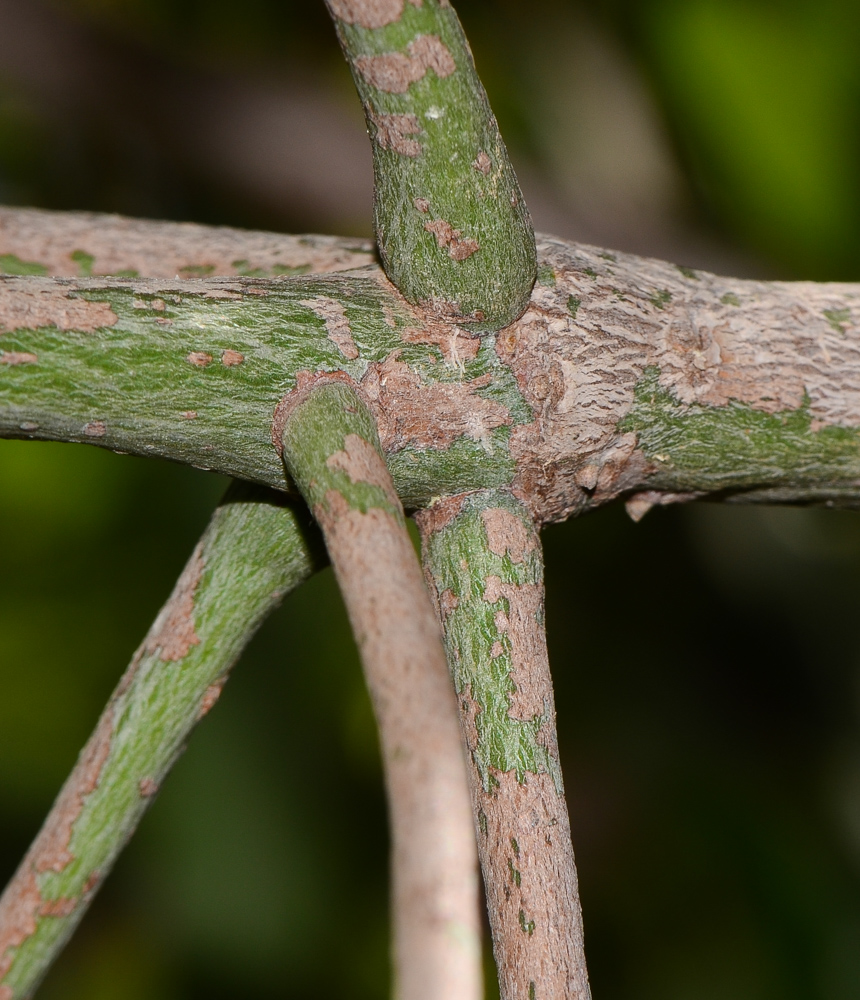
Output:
(483, 559)
(256, 549)
(453, 229)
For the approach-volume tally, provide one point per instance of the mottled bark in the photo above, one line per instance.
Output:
(81, 244)
(483, 564)
(624, 377)
(257, 548)
(453, 230)
(332, 450)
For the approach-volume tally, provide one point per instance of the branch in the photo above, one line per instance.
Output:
(81, 244)
(483, 562)
(255, 550)
(625, 377)
(453, 230)
(332, 451)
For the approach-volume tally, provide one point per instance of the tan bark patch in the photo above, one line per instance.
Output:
(413, 414)
(62, 907)
(200, 359)
(439, 515)
(189, 414)
(392, 130)
(231, 358)
(395, 72)
(147, 787)
(422, 205)
(367, 13)
(507, 534)
(459, 247)
(363, 464)
(28, 303)
(482, 163)
(455, 345)
(17, 358)
(95, 429)
(210, 697)
(333, 314)
(173, 632)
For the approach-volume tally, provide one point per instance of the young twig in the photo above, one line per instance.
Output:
(483, 562)
(256, 548)
(453, 230)
(331, 449)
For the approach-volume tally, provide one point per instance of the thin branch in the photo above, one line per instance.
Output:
(256, 548)
(453, 230)
(332, 450)
(483, 562)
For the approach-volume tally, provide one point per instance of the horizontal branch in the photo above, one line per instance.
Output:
(256, 548)
(625, 377)
(81, 244)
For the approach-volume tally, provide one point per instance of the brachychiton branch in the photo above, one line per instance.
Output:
(624, 377)
(453, 229)
(332, 451)
(483, 563)
(257, 548)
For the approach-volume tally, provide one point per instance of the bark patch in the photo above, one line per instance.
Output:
(448, 238)
(17, 358)
(506, 534)
(369, 13)
(95, 429)
(200, 359)
(482, 163)
(173, 631)
(23, 307)
(395, 72)
(333, 314)
(363, 464)
(210, 697)
(411, 413)
(392, 130)
(232, 358)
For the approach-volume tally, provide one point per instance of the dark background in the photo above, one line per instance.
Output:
(706, 660)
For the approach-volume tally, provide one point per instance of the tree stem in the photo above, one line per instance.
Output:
(331, 449)
(483, 562)
(453, 229)
(256, 548)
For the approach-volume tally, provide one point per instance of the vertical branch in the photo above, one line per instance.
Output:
(331, 449)
(453, 230)
(483, 561)
(256, 548)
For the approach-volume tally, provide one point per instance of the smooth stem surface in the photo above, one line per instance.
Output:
(483, 561)
(453, 229)
(331, 449)
(256, 548)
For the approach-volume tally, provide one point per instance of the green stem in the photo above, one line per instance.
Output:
(256, 548)
(483, 560)
(332, 450)
(453, 229)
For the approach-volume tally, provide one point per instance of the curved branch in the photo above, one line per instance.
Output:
(453, 229)
(332, 450)
(483, 562)
(256, 548)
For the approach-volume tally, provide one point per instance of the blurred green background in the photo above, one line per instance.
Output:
(706, 660)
